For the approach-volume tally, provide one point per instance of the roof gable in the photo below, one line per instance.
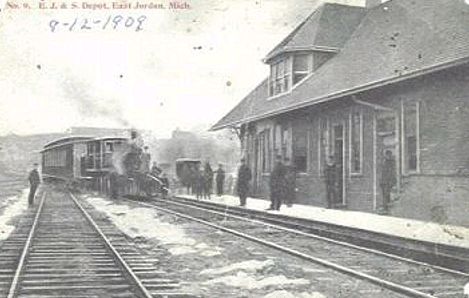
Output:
(328, 27)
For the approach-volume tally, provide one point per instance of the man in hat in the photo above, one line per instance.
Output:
(388, 178)
(290, 182)
(244, 178)
(277, 184)
(220, 179)
(330, 175)
(145, 158)
(34, 181)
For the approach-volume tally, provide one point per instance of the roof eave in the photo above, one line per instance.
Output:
(348, 92)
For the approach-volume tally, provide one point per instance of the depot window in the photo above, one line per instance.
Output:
(411, 137)
(356, 142)
(300, 149)
(265, 151)
(301, 67)
(280, 76)
(323, 144)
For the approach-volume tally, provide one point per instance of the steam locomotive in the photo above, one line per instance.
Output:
(110, 165)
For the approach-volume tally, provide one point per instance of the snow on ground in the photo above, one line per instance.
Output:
(251, 281)
(144, 222)
(9, 208)
(250, 266)
(249, 275)
(286, 294)
(408, 228)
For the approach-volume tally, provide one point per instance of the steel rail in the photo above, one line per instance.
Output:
(338, 242)
(378, 281)
(15, 283)
(116, 254)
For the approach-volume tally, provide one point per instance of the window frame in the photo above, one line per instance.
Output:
(278, 81)
(265, 151)
(301, 72)
(405, 156)
(352, 172)
(323, 152)
(294, 132)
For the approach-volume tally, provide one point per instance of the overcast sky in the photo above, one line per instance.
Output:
(184, 69)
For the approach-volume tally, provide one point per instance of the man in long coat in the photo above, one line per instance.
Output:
(330, 175)
(34, 181)
(220, 179)
(244, 178)
(277, 185)
(290, 182)
(145, 160)
(388, 178)
(208, 180)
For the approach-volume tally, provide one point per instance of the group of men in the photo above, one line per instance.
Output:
(202, 181)
(282, 183)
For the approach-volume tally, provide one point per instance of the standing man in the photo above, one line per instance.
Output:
(165, 185)
(277, 185)
(220, 179)
(34, 181)
(244, 178)
(155, 170)
(290, 182)
(199, 184)
(145, 160)
(388, 178)
(114, 184)
(208, 180)
(330, 175)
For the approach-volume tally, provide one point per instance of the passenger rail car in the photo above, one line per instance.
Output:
(102, 164)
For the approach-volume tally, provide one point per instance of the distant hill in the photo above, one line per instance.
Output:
(19, 152)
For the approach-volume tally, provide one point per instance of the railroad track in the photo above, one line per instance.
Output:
(64, 252)
(401, 275)
(452, 257)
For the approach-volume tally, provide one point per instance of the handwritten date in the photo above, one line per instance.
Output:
(110, 23)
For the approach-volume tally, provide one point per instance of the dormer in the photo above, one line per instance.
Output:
(310, 45)
(288, 70)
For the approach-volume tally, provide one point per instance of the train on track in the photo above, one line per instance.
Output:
(111, 165)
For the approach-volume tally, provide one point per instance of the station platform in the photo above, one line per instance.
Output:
(455, 236)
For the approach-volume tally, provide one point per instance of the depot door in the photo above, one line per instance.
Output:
(386, 140)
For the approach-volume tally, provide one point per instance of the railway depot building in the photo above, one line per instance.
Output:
(354, 82)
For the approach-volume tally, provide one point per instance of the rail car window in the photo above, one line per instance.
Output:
(90, 161)
(55, 158)
(109, 147)
(107, 162)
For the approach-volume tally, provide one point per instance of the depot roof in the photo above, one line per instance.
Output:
(395, 41)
